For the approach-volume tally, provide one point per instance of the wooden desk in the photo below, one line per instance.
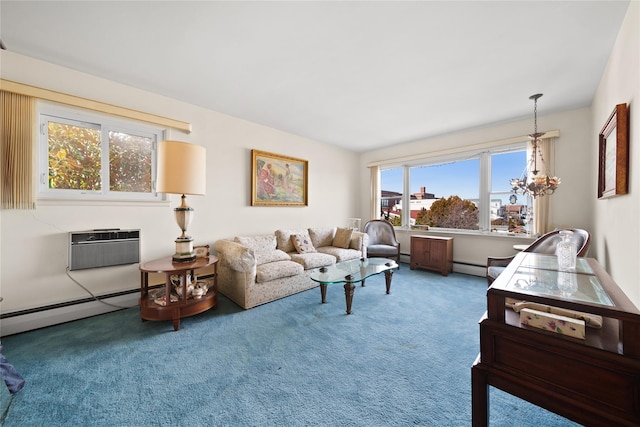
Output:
(595, 382)
(184, 305)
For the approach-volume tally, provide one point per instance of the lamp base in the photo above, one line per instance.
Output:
(184, 250)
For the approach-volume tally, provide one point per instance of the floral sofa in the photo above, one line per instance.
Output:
(254, 270)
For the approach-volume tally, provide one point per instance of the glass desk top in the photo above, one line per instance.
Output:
(355, 270)
(539, 275)
(550, 262)
(562, 284)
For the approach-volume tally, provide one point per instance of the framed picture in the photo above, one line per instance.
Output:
(613, 154)
(278, 180)
(201, 251)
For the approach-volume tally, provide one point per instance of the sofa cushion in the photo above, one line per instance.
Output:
(283, 238)
(339, 253)
(276, 270)
(322, 236)
(313, 260)
(263, 257)
(342, 238)
(265, 242)
(382, 250)
(302, 243)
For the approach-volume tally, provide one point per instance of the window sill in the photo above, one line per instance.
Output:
(470, 233)
(94, 202)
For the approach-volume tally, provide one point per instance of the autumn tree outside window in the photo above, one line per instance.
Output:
(91, 156)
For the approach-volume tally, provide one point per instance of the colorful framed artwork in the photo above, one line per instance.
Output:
(613, 154)
(278, 180)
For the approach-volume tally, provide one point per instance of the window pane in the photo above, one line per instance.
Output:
(74, 156)
(504, 167)
(509, 212)
(391, 195)
(130, 162)
(446, 195)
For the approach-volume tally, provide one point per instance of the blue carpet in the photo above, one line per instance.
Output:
(399, 360)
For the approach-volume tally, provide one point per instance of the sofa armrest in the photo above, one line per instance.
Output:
(238, 257)
(359, 241)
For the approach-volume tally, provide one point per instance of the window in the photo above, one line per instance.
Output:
(96, 157)
(467, 191)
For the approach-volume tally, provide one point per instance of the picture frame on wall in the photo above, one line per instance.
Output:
(613, 154)
(278, 180)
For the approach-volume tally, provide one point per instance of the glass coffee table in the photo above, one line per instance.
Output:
(351, 272)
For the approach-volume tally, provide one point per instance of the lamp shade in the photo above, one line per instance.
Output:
(181, 168)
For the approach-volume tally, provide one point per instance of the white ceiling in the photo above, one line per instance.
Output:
(356, 74)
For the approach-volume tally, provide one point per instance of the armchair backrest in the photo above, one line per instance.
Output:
(380, 232)
(546, 244)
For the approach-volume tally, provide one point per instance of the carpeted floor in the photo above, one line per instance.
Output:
(399, 360)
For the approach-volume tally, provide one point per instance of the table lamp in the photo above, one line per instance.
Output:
(182, 170)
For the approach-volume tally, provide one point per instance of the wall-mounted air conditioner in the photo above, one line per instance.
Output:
(103, 248)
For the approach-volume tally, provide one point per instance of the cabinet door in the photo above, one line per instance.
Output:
(420, 249)
(437, 253)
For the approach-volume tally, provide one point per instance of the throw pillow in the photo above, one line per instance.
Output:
(342, 238)
(284, 239)
(302, 243)
(322, 236)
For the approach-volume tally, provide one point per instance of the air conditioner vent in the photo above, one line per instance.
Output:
(103, 248)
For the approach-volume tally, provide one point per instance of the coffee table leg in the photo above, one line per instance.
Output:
(349, 288)
(323, 292)
(388, 275)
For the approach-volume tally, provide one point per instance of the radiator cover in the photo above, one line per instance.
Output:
(103, 248)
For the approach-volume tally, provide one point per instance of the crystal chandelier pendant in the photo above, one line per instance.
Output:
(533, 183)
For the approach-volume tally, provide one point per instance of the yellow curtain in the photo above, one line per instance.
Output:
(542, 205)
(16, 151)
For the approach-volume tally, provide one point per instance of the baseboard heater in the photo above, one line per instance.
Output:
(103, 248)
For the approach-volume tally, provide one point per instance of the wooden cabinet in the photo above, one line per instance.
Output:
(432, 253)
(594, 381)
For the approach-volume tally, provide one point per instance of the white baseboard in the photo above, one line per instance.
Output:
(474, 270)
(40, 319)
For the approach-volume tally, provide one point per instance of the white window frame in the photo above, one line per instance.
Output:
(105, 123)
(485, 190)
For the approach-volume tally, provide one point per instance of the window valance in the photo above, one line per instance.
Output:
(416, 158)
(89, 104)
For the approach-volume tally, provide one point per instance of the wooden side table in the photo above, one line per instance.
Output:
(432, 253)
(183, 305)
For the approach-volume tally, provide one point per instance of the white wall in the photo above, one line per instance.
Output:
(569, 205)
(34, 243)
(617, 220)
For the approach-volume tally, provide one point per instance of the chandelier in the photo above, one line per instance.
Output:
(533, 183)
